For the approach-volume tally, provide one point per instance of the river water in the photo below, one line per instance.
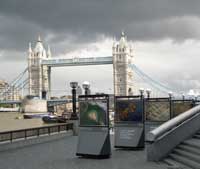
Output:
(14, 121)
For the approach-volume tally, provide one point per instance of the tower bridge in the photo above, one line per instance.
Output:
(40, 63)
(37, 76)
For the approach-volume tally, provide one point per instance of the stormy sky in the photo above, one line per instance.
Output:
(165, 36)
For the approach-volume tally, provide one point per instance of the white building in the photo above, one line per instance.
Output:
(8, 92)
(39, 76)
(123, 75)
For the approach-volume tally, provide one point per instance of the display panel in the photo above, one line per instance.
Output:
(157, 110)
(129, 110)
(179, 107)
(93, 112)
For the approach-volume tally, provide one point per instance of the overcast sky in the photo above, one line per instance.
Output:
(165, 36)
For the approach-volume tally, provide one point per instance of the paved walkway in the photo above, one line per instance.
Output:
(60, 154)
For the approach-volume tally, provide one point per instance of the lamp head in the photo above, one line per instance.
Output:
(170, 94)
(86, 85)
(73, 84)
(148, 91)
(141, 90)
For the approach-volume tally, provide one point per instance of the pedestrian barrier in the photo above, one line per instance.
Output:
(34, 132)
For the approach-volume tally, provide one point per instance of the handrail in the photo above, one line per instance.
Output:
(169, 125)
(24, 133)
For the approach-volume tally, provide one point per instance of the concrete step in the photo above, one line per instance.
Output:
(198, 132)
(197, 136)
(172, 164)
(185, 161)
(189, 148)
(193, 142)
(191, 156)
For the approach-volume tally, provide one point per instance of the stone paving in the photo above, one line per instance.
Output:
(60, 154)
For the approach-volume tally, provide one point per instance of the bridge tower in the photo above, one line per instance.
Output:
(123, 75)
(39, 76)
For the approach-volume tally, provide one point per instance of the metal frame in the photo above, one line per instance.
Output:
(102, 97)
(161, 99)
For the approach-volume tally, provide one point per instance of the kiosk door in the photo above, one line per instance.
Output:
(94, 137)
(129, 122)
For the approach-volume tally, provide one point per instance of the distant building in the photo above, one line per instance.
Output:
(3, 87)
(39, 81)
(123, 75)
(8, 92)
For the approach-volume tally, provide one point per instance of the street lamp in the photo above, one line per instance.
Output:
(74, 86)
(183, 96)
(170, 94)
(196, 97)
(148, 91)
(141, 90)
(86, 87)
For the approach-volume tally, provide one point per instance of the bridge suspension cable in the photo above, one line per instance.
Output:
(153, 83)
(16, 85)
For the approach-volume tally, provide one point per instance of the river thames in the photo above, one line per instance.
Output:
(15, 121)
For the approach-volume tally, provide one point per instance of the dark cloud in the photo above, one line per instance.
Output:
(71, 24)
(86, 19)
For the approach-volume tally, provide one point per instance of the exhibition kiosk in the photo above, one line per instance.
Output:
(94, 137)
(129, 122)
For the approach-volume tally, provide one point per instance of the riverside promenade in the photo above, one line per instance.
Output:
(60, 154)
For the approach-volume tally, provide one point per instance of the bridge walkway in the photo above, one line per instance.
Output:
(60, 154)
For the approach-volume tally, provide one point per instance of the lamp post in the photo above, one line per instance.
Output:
(86, 87)
(196, 97)
(141, 90)
(74, 86)
(148, 91)
(183, 96)
(170, 94)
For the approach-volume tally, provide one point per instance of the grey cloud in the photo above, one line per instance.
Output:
(88, 18)
(71, 24)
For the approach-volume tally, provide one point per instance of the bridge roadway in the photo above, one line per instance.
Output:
(55, 62)
(60, 154)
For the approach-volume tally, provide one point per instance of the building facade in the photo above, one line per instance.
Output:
(39, 76)
(123, 75)
(8, 92)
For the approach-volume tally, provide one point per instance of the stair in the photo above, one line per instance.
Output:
(186, 155)
(172, 164)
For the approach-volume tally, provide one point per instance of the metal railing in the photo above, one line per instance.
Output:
(169, 125)
(31, 132)
(166, 137)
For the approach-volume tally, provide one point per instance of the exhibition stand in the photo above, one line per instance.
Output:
(129, 122)
(94, 137)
